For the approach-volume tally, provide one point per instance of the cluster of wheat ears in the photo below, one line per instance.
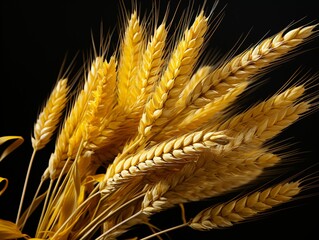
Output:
(151, 128)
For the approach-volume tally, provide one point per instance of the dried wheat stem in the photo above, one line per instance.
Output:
(131, 47)
(226, 214)
(131, 210)
(25, 186)
(173, 152)
(165, 231)
(50, 116)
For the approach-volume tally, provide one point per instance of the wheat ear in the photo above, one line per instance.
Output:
(58, 158)
(171, 153)
(99, 106)
(269, 117)
(252, 61)
(131, 47)
(161, 106)
(50, 116)
(198, 117)
(226, 214)
(151, 65)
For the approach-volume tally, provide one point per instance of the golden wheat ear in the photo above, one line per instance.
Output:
(227, 214)
(50, 116)
(239, 210)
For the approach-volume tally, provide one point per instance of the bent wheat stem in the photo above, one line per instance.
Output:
(166, 230)
(117, 225)
(25, 185)
(21, 226)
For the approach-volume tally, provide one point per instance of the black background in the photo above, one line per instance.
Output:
(37, 36)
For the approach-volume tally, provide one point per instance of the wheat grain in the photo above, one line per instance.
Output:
(196, 85)
(50, 115)
(226, 214)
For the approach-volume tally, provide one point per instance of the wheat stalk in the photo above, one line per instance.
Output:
(226, 214)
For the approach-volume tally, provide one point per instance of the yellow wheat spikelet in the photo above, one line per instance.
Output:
(150, 69)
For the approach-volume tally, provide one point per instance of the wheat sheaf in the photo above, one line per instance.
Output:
(154, 126)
